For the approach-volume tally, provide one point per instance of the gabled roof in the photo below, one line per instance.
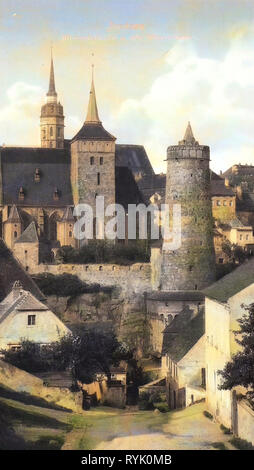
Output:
(10, 271)
(182, 333)
(29, 235)
(232, 283)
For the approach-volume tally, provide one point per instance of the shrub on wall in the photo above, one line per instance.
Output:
(102, 251)
(63, 284)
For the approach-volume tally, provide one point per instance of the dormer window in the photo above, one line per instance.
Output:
(56, 194)
(21, 194)
(37, 175)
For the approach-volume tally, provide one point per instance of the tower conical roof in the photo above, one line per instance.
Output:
(29, 235)
(189, 138)
(68, 216)
(92, 111)
(14, 215)
(52, 89)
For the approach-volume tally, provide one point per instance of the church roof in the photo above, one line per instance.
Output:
(188, 138)
(10, 271)
(18, 165)
(29, 235)
(92, 110)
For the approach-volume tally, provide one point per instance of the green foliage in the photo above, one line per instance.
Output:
(234, 253)
(136, 332)
(223, 269)
(224, 429)
(103, 251)
(241, 444)
(144, 402)
(162, 406)
(208, 415)
(63, 284)
(240, 371)
(90, 352)
(219, 445)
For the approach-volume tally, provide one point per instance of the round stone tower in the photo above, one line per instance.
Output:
(192, 266)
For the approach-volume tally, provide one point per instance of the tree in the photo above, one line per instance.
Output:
(240, 371)
(86, 353)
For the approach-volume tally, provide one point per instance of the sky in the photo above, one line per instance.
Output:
(158, 65)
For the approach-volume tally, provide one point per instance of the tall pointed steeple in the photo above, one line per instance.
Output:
(189, 138)
(92, 111)
(52, 88)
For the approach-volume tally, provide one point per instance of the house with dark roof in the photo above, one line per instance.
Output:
(183, 358)
(225, 304)
(24, 317)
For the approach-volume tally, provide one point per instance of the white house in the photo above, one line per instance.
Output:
(183, 359)
(23, 316)
(223, 307)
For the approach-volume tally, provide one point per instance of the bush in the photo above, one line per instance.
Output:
(219, 445)
(63, 285)
(161, 406)
(241, 444)
(208, 415)
(144, 402)
(102, 251)
(224, 429)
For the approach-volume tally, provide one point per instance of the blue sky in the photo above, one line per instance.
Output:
(158, 64)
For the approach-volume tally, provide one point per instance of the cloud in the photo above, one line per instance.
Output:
(18, 122)
(216, 95)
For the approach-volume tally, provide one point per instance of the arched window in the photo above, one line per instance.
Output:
(15, 234)
(70, 234)
(51, 131)
(98, 179)
(101, 160)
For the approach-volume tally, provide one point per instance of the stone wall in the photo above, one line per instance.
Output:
(245, 421)
(130, 280)
(23, 382)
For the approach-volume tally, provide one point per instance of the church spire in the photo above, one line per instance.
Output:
(52, 89)
(92, 111)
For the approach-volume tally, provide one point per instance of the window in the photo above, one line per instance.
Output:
(224, 203)
(247, 237)
(91, 160)
(58, 132)
(231, 203)
(98, 179)
(15, 234)
(221, 260)
(70, 234)
(218, 202)
(190, 268)
(51, 131)
(44, 134)
(101, 160)
(241, 237)
(31, 320)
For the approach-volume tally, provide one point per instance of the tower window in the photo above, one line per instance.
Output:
(91, 160)
(31, 320)
(51, 131)
(101, 160)
(58, 132)
(98, 179)
(70, 234)
(190, 268)
(15, 234)
(44, 134)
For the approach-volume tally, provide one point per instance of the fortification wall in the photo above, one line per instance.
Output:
(132, 279)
